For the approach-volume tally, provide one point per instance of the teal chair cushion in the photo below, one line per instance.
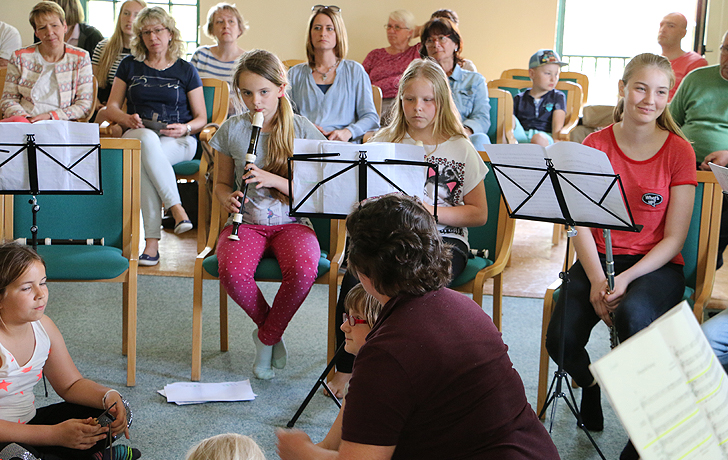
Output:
(493, 129)
(187, 168)
(268, 267)
(83, 262)
(471, 270)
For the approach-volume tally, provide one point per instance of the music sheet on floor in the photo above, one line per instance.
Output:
(340, 195)
(566, 156)
(51, 176)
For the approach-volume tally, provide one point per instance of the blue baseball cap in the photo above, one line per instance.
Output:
(545, 57)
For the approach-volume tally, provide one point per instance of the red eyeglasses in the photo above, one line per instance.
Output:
(353, 321)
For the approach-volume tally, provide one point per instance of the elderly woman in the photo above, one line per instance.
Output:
(49, 80)
(165, 105)
(109, 52)
(225, 25)
(443, 43)
(333, 92)
(385, 66)
(433, 379)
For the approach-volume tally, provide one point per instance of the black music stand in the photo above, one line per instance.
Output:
(362, 167)
(44, 173)
(608, 208)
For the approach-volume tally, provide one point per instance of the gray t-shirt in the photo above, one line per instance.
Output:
(232, 139)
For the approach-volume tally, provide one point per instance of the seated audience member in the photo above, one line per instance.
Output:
(673, 28)
(9, 42)
(49, 80)
(700, 108)
(453, 16)
(541, 109)
(109, 53)
(716, 330)
(455, 394)
(385, 66)
(32, 346)
(443, 43)
(225, 25)
(80, 34)
(333, 92)
(165, 105)
(230, 446)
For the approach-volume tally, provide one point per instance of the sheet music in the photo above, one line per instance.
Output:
(518, 184)
(669, 390)
(721, 173)
(340, 195)
(51, 175)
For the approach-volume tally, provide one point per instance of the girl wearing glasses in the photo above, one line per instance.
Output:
(333, 92)
(164, 106)
(443, 43)
(385, 66)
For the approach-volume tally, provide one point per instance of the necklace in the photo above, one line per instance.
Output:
(163, 67)
(325, 75)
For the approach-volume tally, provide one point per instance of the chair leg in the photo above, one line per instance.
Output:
(543, 368)
(197, 324)
(130, 302)
(124, 322)
(498, 301)
(224, 343)
(556, 237)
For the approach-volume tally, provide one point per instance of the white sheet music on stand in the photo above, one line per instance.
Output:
(518, 184)
(721, 174)
(51, 176)
(339, 195)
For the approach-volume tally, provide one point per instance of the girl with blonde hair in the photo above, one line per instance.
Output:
(229, 446)
(260, 81)
(657, 167)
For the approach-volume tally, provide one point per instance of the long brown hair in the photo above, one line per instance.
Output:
(113, 46)
(665, 120)
(280, 140)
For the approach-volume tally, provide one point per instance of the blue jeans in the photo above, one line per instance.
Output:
(646, 299)
(716, 330)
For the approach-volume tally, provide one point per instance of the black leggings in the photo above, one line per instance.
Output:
(646, 299)
(53, 415)
(345, 361)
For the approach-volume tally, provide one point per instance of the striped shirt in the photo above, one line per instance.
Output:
(208, 66)
(103, 93)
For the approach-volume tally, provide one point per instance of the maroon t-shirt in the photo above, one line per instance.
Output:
(434, 379)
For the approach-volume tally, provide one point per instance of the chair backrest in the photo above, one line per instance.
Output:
(572, 91)
(217, 95)
(377, 94)
(501, 110)
(291, 62)
(93, 103)
(573, 77)
(105, 216)
(3, 74)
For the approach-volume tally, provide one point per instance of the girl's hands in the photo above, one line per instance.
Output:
(79, 434)
(262, 178)
(597, 298)
(232, 202)
(131, 121)
(119, 412)
(174, 130)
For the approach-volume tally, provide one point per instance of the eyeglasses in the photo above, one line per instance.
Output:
(442, 39)
(396, 28)
(333, 8)
(353, 321)
(723, 49)
(156, 31)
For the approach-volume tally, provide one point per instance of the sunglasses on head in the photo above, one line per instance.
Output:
(333, 8)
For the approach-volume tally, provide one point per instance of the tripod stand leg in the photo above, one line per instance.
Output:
(321, 381)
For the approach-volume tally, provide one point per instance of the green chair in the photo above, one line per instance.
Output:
(700, 253)
(113, 216)
(495, 237)
(501, 110)
(572, 77)
(217, 98)
(331, 235)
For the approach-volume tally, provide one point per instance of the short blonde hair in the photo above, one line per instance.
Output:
(342, 42)
(230, 446)
(403, 16)
(360, 301)
(46, 8)
(156, 15)
(219, 8)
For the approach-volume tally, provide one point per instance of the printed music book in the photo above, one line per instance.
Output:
(669, 390)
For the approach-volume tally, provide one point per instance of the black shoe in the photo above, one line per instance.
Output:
(591, 408)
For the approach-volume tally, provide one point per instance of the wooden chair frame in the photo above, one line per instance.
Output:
(580, 79)
(712, 201)
(130, 250)
(504, 123)
(217, 222)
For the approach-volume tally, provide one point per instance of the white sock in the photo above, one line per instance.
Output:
(280, 355)
(263, 354)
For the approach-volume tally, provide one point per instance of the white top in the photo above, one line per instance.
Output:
(45, 92)
(9, 40)
(17, 401)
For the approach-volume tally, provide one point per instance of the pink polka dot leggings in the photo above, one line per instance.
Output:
(297, 250)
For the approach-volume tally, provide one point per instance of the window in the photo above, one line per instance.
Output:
(102, 14)
(600, 48)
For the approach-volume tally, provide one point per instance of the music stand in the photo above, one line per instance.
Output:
(31, 168)
(365, 187)
(596, 199)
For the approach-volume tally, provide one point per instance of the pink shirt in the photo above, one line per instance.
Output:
(683, 65)
(386, 69)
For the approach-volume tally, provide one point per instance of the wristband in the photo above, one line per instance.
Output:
(103, 400)
(189, 129)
